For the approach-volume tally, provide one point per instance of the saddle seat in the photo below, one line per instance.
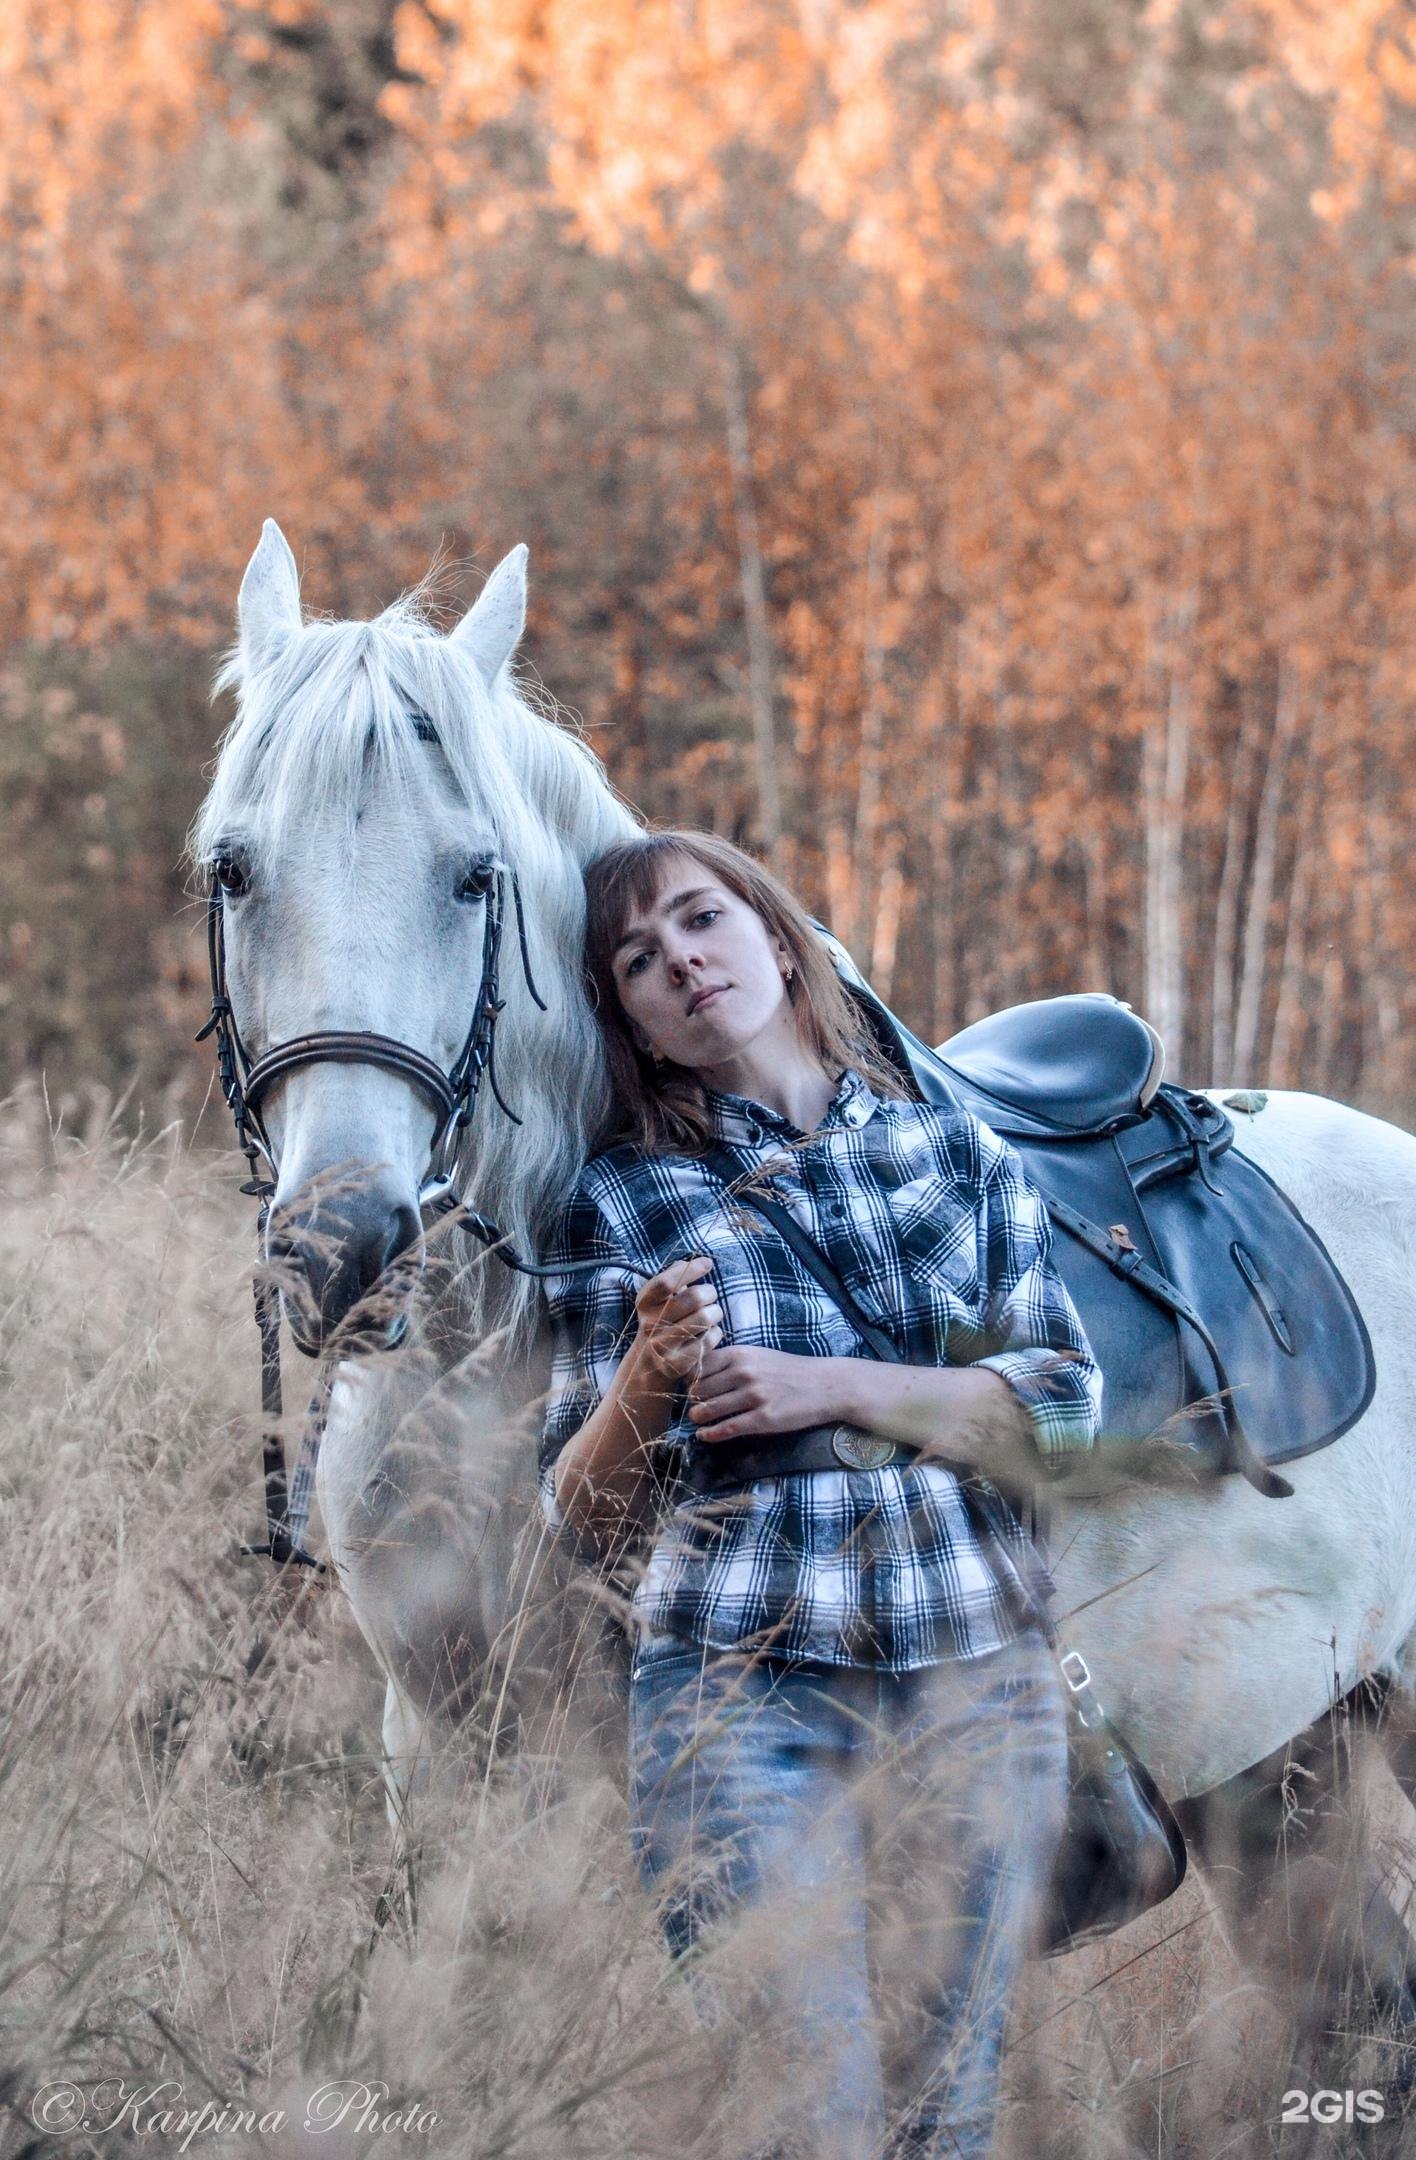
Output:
(1059, 1066)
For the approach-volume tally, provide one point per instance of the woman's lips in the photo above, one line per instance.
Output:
(706, 997)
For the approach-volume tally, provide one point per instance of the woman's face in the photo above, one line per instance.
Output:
(700, 976)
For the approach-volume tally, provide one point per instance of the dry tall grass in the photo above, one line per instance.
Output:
(196, 1852)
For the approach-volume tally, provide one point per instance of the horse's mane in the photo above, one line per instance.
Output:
(334, 704)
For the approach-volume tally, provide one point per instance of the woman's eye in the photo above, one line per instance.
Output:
(704, 916)
(637, 965)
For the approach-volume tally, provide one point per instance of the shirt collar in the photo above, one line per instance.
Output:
(738, 1117)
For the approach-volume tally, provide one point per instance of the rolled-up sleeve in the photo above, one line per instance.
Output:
(1043, 1353)
(592, 1324)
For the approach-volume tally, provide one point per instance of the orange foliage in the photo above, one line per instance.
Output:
(1073, 461)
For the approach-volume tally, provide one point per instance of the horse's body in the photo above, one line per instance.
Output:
(1219, 1623)
(1258, 1614)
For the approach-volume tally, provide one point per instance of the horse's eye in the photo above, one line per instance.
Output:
(232, 872)
(475, 882)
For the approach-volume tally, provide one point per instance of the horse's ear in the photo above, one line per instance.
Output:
(491, 629)
(268, 607)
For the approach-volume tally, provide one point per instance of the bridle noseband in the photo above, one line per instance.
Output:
(245, 1081)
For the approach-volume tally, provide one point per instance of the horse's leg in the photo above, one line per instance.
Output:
(382, 1569)
(406, 1775)
(1390, 1714)
(405, 1748)
(1300, 1894)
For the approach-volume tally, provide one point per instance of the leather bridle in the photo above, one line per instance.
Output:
(246, 1081)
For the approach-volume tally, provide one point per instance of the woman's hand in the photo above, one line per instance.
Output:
(741, 1392)
(680, 1319)
(603, 1473)
(951, 1413)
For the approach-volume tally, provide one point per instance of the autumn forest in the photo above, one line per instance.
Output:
(966, 452)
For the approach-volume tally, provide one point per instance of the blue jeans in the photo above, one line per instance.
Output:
(880, 1843)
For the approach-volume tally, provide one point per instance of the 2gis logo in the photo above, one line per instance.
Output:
(1333, 2107)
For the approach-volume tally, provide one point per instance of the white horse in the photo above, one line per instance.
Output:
(369, 766)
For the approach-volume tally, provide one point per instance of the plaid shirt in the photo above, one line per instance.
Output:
(930, 1220)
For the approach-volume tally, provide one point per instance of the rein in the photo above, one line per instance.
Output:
(245, 1082)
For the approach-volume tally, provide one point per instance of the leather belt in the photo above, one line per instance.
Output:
(720, 1468)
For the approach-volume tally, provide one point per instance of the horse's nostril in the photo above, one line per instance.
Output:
(405, 1229)
(375, 1254)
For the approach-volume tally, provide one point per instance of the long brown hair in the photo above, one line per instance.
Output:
(664, 1106)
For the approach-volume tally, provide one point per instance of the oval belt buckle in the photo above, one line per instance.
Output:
(859, 1450)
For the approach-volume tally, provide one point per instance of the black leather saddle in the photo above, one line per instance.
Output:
(1217, 1316)
(1060, 1068)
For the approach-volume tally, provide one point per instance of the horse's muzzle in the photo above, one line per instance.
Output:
(346, 1269)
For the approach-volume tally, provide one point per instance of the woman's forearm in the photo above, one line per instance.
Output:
(959, 1413)
(602, 1476)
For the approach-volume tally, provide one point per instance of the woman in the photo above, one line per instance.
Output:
(843, 1714)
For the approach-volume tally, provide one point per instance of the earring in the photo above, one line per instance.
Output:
(787, 972)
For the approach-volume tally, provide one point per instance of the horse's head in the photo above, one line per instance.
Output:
(377, 779)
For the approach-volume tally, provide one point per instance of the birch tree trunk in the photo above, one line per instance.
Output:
(754, 596)
(840, 885)
(872, 725)
(1226, 906)
(1293, 968)
(1165, 772)
(885, 935)
(1249, 1013)
(1381, 1004)
(943, 741)
(1091, 844)
(1330, 1012)
(1001, 963)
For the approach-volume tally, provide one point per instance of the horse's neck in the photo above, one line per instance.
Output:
(453, 1328)
(493, 1362)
